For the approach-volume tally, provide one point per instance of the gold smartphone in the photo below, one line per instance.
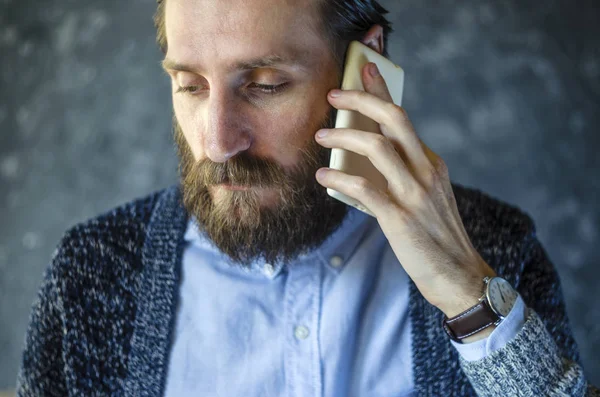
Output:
(357, 56)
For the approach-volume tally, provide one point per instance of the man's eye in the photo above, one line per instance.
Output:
(191, 89)
(266, 88)
(269, 89)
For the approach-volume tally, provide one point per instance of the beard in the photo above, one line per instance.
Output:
(239, 224)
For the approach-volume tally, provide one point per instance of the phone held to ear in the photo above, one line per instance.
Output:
(357, 57)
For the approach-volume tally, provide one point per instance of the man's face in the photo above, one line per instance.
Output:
(250, 79)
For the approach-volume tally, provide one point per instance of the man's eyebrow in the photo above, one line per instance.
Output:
(168, 64)
(263, 62)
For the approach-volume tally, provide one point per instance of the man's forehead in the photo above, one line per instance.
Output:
(224, 17)
(241, 37)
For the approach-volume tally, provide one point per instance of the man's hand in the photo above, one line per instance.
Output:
(418, 213)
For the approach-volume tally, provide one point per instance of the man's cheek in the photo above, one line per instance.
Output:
(192, 133)
(304, 126)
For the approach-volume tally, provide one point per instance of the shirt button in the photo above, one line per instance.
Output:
(336, 261)
(301, 332)
(269, 269)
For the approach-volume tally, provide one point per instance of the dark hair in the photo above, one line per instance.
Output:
(348, 20)
(343, 21)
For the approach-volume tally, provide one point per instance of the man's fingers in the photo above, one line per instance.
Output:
(394, 125)
(378, 149)
(356, 187)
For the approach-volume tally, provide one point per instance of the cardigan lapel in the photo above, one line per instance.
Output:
(157, 296)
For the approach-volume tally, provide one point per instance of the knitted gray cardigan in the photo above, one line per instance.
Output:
(104, 318)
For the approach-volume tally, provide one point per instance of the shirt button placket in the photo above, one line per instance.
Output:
(302, 306)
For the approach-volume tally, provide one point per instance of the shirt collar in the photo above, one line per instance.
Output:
(334, 251)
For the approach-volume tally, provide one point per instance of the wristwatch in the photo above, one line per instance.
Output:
(498, 299)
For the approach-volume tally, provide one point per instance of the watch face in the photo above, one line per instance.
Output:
(501, 296)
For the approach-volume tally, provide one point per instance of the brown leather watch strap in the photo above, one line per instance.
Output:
(470, 321)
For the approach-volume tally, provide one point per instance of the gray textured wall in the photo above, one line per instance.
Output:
(508, 93)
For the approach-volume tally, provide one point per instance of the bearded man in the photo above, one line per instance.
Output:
(246, 278)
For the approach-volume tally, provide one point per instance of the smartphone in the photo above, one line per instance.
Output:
(357, 56)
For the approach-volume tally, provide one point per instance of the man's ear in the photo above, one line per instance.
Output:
(374, 38)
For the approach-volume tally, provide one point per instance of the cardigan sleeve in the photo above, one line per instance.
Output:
(41, 372)
(542, 360)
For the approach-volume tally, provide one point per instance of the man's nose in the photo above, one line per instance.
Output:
(226, 134)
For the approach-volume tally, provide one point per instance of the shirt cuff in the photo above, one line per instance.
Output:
(504, 333)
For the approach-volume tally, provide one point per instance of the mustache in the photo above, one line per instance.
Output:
(243, 170)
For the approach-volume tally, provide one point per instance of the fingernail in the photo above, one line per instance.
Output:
(322, 133)
(373, 70)
(321, 173)
(335, 93)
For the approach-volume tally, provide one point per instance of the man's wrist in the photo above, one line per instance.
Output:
(479, 319)
(502, 334)
(455, 308)
(467, 295)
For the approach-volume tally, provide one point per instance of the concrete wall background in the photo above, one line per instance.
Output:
(507, 92)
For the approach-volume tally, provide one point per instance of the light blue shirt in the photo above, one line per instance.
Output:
(334, 322)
